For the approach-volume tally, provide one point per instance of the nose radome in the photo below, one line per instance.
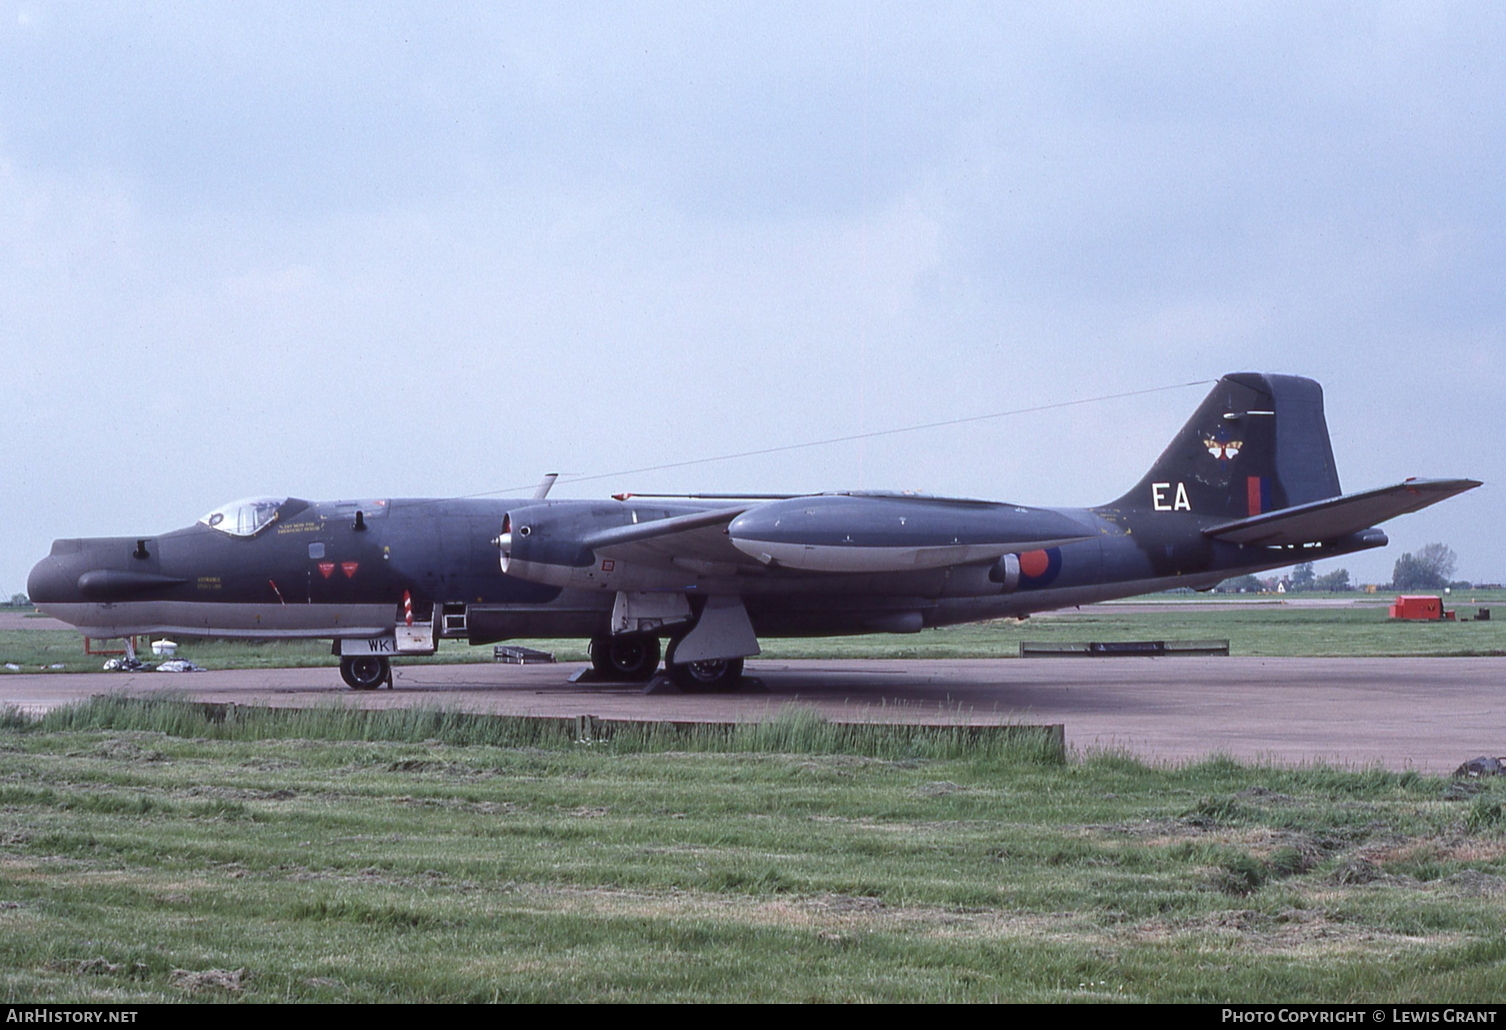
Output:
(50, 582)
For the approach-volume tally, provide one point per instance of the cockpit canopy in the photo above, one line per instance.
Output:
(245, 517)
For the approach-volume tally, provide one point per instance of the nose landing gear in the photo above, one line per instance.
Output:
(365, 671)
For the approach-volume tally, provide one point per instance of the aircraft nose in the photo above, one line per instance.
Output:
(50, 582)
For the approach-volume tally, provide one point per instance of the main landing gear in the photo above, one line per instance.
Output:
(633, 657)
(712, 674)
(365, 671)
(702, 677)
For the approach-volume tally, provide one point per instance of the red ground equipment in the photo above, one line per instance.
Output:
(1419, 607)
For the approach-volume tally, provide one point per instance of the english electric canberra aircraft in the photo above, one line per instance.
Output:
(1248, 484)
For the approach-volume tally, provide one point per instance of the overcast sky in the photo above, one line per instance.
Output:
(417, 250)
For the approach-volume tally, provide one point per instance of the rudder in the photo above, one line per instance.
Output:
(1257, 443)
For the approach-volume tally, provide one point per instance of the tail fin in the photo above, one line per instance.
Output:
(1257, 443)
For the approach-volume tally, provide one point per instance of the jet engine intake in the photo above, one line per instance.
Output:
(535, 546)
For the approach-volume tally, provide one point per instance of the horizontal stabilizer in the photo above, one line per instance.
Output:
(1338, 517)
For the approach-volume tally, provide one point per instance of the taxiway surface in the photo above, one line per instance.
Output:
(1428, 714)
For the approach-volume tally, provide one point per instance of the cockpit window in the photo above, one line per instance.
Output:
(244, 518)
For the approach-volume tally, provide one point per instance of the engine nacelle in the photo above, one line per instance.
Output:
(556, 543)
(855, 533)
(539, 543)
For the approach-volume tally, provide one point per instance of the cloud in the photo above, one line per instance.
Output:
(388, 250)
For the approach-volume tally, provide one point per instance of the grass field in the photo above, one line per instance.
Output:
(147, 853)
(1259, 629)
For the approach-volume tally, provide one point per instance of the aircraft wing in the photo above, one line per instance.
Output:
(697, 541)
(1337, 517)
(841, 533)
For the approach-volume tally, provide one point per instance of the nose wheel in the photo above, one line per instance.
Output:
(365, 671)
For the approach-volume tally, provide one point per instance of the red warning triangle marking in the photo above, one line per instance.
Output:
(326, 569)
(349, 568)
